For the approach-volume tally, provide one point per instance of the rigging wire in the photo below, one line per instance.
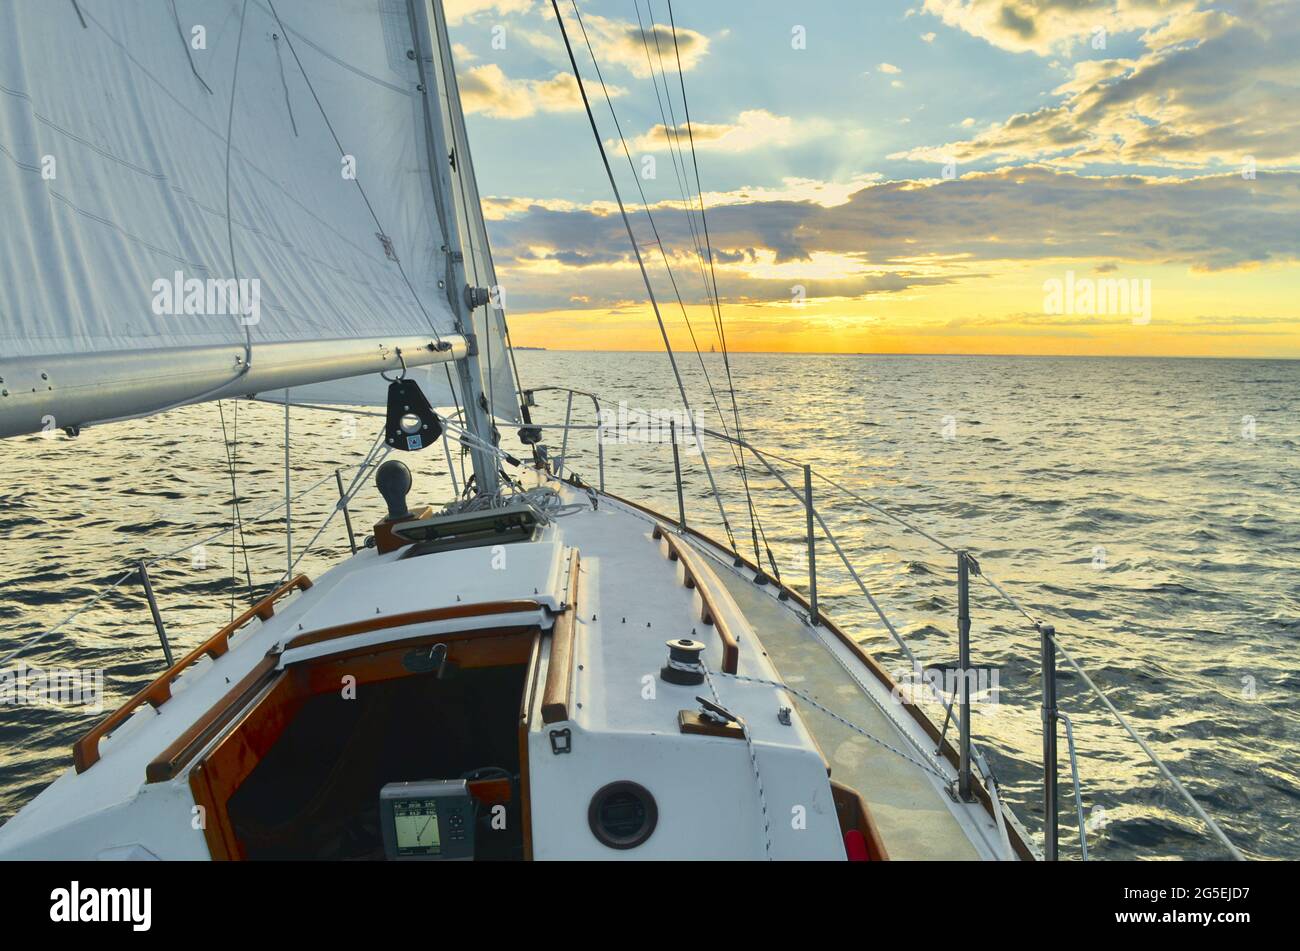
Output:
(682, 186)
(150, 562)
(231, 462)
(185, 43)
(673, 136)
(722, 336)
(627, 224)
(365, 465)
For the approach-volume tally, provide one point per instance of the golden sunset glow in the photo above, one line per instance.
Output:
(915, 190)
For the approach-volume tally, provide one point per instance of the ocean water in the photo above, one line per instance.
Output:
(1149, 508)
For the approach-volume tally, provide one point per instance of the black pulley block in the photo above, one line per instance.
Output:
(412, 423)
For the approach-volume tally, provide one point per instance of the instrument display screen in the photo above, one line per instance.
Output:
(416, 826)
(431, 820)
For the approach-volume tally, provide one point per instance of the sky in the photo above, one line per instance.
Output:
(1094, 177)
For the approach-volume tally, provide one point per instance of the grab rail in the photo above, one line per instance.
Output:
(557, 694)
(709, 613)
(85, 753)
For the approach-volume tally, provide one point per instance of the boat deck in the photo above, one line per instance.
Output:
(639, 583)
(912, 813)
(915, 814)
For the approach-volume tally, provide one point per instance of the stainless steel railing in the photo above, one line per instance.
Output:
(966, 566)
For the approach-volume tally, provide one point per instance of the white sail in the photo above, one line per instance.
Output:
(116, 173)
(469, 233)
(495, 359)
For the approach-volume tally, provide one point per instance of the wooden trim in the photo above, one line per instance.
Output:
(525, 722)
(169, 763)
(491, 792)
(85, 753)
(690, 721)
(258, 724)
(470, 650)
(853, 813)
(709, 613)
(385, 621)
(946, 748)
(216, 828)
(386, 539)
(557, 694)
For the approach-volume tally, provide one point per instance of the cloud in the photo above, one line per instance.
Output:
(753, 129)
(1211, 89)
(622, 43)
(488, 90)
(458, 11)
(928, 37)
(888, 68)
(894, 237)
(1047, 26)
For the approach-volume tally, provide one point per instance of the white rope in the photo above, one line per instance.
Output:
(753, 762)
(848, 723)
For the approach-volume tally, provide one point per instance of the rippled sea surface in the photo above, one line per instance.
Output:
(1149, 508)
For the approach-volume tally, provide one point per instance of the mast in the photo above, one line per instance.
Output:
(429, 37)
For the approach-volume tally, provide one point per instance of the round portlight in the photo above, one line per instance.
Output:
(622, 815)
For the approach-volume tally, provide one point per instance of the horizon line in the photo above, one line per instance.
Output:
(864, 353)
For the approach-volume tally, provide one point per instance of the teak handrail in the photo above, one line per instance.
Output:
(557, 694)
(709, 613)
(85, 753)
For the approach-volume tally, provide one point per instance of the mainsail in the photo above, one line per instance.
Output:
(206, 199)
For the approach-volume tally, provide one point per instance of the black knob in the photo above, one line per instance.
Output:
(393, 481)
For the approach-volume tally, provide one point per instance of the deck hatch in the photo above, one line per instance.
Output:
(472, 530)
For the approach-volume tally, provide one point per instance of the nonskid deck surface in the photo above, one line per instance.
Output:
(718, 797)
(913, 815)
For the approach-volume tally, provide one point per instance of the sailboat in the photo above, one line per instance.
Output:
(535, 669)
